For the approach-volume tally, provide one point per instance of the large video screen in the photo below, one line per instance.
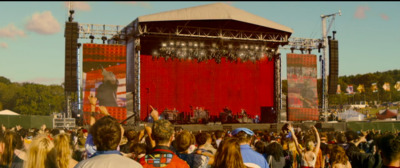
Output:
(104, 77)
(302, 87)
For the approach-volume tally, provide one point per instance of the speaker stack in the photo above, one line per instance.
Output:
(71, 56)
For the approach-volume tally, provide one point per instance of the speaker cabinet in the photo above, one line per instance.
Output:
(333, 66)
(268, 115)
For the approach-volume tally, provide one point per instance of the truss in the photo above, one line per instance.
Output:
(298, 43)
(99, 30)
(214, 33)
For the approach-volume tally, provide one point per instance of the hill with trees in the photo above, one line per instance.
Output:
(31, 98)
(380, 78)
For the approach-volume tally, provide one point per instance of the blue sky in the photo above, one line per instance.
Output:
(32, 33)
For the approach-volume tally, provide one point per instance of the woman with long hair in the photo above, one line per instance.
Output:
(275, 157)
(62, 152)
(338, 157)
(12, 155)
(310, 153)
(295, 155)
(38, 152)
(228, 155)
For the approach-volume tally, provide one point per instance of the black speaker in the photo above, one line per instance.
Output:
(268, 115)
(71, 35)
(333, 66)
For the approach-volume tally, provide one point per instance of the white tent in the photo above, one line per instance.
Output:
(8, 112)
(351, 115)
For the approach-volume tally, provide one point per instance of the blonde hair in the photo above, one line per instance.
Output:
(38, 152)
(62, 150)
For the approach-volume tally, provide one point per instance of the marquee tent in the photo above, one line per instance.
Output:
(8, 112)
(351, 115)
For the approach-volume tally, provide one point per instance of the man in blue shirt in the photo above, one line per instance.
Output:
(250, 157)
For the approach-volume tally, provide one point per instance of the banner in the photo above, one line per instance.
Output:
(338, 90)
(302, 87)
(374, 87)
(386, 87)
(397, 86)
(350, 89)
(104, 77)
(360, 88)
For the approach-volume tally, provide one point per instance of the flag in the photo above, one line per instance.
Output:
(397, 86)
(338, 91)
(360, 88)
(386, 86)
(374, 87)
(350, 89)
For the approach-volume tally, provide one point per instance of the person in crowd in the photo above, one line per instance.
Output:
(183, 142)
(309, 155)
(162, 133)
(338, 157)
(12, 154)
(203, 141)
(358, 158)
(229, 155)
(107, 134)
(260, 148)
(38, 152)
(389, 147)
(295, 155)
(250, 157)
(62, 151)
(138, 151)
(275, 156)
(132, 138)
(219, 136)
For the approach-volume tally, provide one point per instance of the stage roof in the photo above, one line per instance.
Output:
(215, 11)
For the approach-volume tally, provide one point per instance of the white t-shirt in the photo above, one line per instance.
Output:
(109, 161)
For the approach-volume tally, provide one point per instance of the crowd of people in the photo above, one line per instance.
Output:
(108, 144)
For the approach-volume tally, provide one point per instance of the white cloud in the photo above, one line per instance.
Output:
(3, 45)
(81, 6)
(360, 12)
(43, 23)
(135, 3)
(384, 16)
(11, 31)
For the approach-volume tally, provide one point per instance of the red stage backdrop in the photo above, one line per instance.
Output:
(302, 87)
(181, 84)
(104, 76)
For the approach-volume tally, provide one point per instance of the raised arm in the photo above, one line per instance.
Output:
(316, 149)
(290, 127)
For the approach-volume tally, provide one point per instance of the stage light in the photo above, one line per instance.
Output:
(257, 48)
(171, 43)
(214, 45)
(292, 49)
(164, 44)
(246, 46)
(195, 44)
(201, 44)
(230, 46)
(91, 38)
(183, 44)
(190, 44)
(104, 38)
(302, 50)
(155, 53)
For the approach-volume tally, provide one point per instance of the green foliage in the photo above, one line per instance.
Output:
(380, 78)
(30, 98)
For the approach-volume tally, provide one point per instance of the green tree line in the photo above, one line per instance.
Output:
(31, 98)
(391, 76)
